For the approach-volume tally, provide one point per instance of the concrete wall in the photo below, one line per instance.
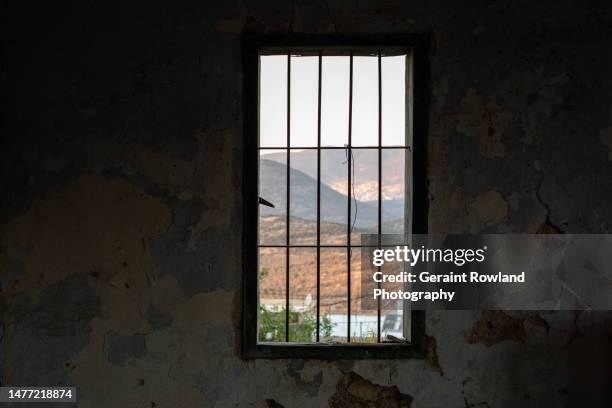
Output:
(121, 223)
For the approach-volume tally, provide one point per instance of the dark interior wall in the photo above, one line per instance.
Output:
(121, 220)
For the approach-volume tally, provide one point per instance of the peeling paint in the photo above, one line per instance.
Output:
(220, 186)
(354, 390)
(95, 225)
(170, 174)
(488, 208)
(495, 326)
(432, 355)
(485, 123)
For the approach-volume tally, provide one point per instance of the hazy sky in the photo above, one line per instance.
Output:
(334, 101)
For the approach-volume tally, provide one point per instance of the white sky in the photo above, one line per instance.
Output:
(334, 101)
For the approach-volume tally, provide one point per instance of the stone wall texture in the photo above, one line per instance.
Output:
(121, 218)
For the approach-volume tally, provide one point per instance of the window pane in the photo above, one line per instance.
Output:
(334, 300)
(393, 191)
(391, 311)
(302, 294)
(365, 101)
(393, 100)
(273, 188)
(334, 202)
(335, 101)
(303, 196)
(273, 101)
(304, 100)
(364, 319)
(364, 203)
(272, 285)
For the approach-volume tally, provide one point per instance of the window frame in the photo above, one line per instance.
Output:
(252, 45)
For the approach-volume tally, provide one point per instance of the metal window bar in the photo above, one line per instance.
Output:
(327, 147)
(325, 246)
(348, 218)
(379, 187)
(318, 338)
(288, 209)
(408, 192)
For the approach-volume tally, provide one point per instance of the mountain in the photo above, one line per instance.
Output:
(334, 170)
(303, 197)
(395, 208)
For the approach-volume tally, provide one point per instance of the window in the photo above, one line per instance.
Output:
(334, 148)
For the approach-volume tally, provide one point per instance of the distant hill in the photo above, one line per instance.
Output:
(395, 208)
(304, 197)
(334, 170)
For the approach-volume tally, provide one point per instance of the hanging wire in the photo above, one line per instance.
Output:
(353, 197)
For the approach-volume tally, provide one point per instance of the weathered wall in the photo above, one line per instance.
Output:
(121, 224)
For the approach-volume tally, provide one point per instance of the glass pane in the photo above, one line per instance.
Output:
(335, 101)
(272, 285)
(364, 185)
(273, 189)
(334, 202)
(393, 71)
(303, 196)
(302, 294)
(273, 101)
(393, 191)
(365, 101)
(334, 300)
(391, 311)
(364, 318)
(304, 100)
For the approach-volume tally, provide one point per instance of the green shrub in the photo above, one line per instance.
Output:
(302, 325)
